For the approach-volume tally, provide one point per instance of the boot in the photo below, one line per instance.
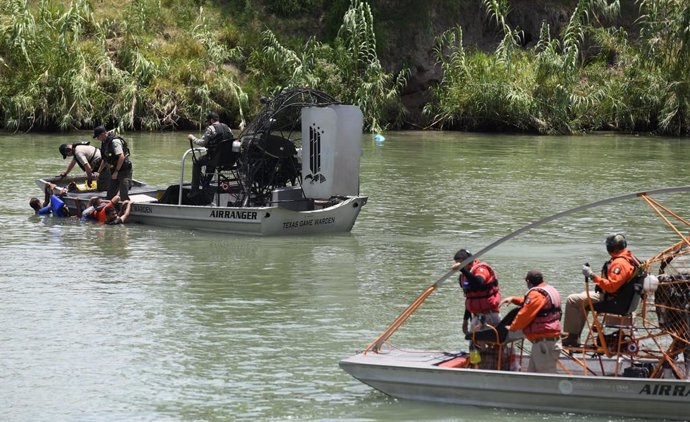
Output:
(570, 340)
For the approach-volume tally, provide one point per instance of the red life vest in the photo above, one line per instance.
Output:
(484, 298)
(548, 319)
(101, 214)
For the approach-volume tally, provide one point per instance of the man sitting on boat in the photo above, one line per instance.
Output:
(539, 319)
(88, 158)
(616, 275)
(215, 133)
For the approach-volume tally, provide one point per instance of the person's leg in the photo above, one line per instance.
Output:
(544, 356)
(113, 188)
(103, 181)
(576, 308)
(196, 175)
(124, 180)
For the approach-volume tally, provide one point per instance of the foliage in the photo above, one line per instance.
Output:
(349, 70)
(63, 69)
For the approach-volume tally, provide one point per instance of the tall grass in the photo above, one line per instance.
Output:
(349, 69)
(64, 69)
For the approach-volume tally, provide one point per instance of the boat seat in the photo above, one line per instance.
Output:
(625, 302)
(223, 166)
(615, 318)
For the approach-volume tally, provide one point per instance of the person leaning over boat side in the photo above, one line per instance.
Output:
(114, 218)
(52, 204)
(539, 319)
(615, 274)
(115, 155)
(482, 295)
(88, 158)
(214, 134)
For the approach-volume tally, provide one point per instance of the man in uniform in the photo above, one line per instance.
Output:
(616, 273)
(88, 158)
(115, 154)
(539, 319)
(215, 133)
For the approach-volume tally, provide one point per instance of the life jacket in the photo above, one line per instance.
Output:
(548, 319)
(108, 151)
(223, 133)
(56, 205)
(484, 298)
(636, 275)
(100, 213)
(90, 159)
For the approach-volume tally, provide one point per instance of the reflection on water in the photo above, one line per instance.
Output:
(145, 323)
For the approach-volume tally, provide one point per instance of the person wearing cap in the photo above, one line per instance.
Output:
(616, 273)
(480, 287)
(539, 319)
(215, 133)
(88, 158)
(115, 156)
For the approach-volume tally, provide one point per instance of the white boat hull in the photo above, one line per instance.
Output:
(268, 221)
(414, 376)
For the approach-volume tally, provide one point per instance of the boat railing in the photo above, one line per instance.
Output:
(201, 150)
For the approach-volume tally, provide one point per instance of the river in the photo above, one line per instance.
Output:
(137, 323)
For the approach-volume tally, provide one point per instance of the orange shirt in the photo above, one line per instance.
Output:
(530, 309)
(620, 272)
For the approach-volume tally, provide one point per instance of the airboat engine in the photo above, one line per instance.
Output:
(331, 150)
(300, 152)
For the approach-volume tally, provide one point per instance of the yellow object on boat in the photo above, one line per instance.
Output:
(84, 186)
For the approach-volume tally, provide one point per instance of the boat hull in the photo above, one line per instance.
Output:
(78, 200)
(414, 376)
(267, 221)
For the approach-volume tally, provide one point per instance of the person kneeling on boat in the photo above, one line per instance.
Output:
(52, 204)
(482, 296)
(616, 273)
(88, 158)
(539, 319)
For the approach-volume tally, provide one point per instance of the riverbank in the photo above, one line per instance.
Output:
(548, 67)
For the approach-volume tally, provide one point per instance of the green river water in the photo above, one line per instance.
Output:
(138, 323)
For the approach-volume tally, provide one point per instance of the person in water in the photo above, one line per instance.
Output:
(52, 204)
(112, 216)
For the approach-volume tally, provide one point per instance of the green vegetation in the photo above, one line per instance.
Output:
(161, 64)
(561, 87)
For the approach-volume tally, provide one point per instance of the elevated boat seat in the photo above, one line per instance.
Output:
(625, 301)
(222, 166)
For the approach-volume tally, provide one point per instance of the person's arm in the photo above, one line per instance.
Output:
(515, 300)
(118, 165)
(475, 280)
(466, 322)
(70, 166)
(125, 215)
(529, 311)
(203, 141)
(620, 272)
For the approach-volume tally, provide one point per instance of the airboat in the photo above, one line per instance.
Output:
(293, 170)
(635, 360)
